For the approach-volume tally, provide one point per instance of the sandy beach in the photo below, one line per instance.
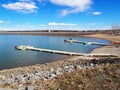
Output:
(36, 76)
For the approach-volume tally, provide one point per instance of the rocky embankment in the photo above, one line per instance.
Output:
(34, 77)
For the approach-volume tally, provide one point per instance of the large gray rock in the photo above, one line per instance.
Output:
(30, 80)
(21, 79)
(69, 68)
(8, 81)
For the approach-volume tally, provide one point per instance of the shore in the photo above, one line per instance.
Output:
(112, 38)
(113, 49)
(38, 76)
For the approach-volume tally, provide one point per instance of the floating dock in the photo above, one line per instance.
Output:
(48, 50)
(22, 47)
(85, 43)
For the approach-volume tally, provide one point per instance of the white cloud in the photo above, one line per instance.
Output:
(39, 0)
(27, 24)
(74, 6)
(3, 22)
(24, 7)
(61, 24)
(97, 13)
(93, 24)
(25, 0)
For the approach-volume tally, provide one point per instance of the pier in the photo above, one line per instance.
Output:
(62, 52)
(48, 50)
(85, 43)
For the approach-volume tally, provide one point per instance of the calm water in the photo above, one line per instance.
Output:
(10, 57)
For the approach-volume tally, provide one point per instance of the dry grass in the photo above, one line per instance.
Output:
(105, 77)
(111, 38)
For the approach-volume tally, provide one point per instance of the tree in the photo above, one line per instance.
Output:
(115, 27)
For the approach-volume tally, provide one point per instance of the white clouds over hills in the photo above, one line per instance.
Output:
(74, 6)
(22, 6)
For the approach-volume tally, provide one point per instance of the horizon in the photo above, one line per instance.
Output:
(58, 15)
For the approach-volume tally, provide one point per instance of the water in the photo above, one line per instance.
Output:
(10, 57)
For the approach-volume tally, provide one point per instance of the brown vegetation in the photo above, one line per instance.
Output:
(105, 77)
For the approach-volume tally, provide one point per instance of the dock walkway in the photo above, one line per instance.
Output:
(62, 52)
(49, 51)
(85, 43)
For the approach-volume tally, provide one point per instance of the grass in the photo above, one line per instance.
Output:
(105, 77)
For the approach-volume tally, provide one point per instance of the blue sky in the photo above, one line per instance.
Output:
(59, 14)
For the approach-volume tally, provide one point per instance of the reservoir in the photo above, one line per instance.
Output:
(10, 57)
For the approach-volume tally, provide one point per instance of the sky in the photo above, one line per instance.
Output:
(59, 14)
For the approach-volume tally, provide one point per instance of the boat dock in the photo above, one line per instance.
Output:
(85, 43)
(48, 50)
(62, 52)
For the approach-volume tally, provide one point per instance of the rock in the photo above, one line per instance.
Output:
(45, 78)
(77, 67)
(69, 68)
(1, 83)
(8, 82)
(51, 76)
(21, 79)
(57, 72)
(2, 77)
(51, 69)
(21, 87)
(92, 65)
(30, 81)
(30, 74)
(59, 89)
(35, 73)
(30, 87)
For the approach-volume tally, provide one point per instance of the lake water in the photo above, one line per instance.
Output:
(10, 57)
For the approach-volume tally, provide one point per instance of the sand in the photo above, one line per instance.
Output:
(107, 50)
(109, 37)
(113, 49)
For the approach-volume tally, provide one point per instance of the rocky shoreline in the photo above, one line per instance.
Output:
(35, 76)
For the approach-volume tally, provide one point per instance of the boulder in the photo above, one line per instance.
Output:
(77, 67)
